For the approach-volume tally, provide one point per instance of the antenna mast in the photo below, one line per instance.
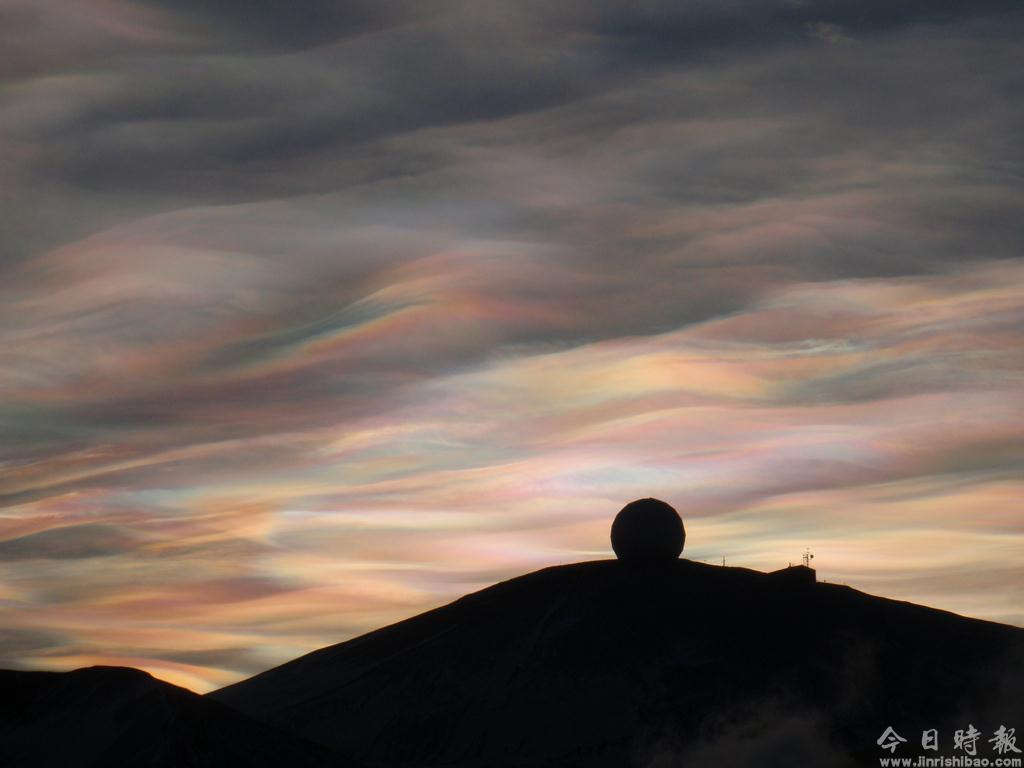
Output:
(807, 557)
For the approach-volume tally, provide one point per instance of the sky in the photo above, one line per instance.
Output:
(315, 315)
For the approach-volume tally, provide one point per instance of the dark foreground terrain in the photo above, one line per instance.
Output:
(595, 664)
(117, 717)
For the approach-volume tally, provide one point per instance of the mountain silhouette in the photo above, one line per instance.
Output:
(611, 664)
(599, 664)
(116, 717)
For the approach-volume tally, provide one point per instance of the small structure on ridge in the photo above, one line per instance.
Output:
(648, 531)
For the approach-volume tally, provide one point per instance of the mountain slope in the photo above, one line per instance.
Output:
(602, 664)
(116, 716)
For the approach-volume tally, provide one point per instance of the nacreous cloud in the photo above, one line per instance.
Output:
(310, 320)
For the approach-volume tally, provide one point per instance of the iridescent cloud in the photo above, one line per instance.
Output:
(307, 327)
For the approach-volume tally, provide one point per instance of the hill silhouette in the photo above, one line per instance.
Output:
(609, 664)
(114, 717)
(595, 664)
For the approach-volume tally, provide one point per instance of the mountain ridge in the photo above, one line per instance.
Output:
(110, 717)
(595, 664)
(644, 655)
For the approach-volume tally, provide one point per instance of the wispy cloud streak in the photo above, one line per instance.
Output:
(308, 323)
